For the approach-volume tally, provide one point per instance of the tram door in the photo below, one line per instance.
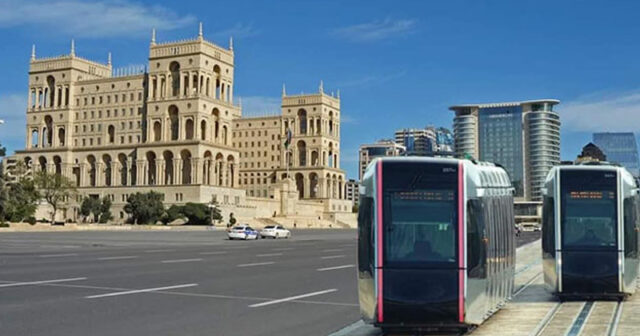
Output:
(420, 247)
(589, 239)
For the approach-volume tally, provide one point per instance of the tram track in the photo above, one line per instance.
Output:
(580, 320)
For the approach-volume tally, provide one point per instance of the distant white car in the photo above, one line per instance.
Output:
(242, 232)
(275, 231)
(529, 227)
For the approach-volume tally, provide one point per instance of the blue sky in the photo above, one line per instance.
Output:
(396, 63)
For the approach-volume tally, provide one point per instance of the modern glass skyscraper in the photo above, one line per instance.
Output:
(523, 137)
(621, 148)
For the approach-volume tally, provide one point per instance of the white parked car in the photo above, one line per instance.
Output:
(529, 227)
(275, 231)
(242, 232)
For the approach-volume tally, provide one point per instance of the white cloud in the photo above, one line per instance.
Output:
(376, 30)
(254, 106)
(107, 18)
(602, 112)
(239, 31)
(13, 109)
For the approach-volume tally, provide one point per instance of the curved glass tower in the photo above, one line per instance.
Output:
(523, 137)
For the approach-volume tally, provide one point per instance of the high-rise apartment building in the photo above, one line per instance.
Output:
(381, 148)
(523, 137)
(621, 148)
(428, 141)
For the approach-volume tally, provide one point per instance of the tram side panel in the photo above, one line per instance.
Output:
(631, 230)
(366, 248)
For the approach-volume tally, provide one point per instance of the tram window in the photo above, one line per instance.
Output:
(589, 219)
(365, 242)
(630, 226)
(420, 226)
(475, 236)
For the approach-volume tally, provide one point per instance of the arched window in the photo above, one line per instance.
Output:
(173, 117)
(302, 153)
(203, 130)
(174, 67)
(48, 132)
(61, 136)
(157, 131)
(300, 185)
(111, 134)
(188, 131)
(151, 168)
(168, 167)
(106, 159)
(51, 89)
(302, 119)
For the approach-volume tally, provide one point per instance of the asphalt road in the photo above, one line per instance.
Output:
(178, 283)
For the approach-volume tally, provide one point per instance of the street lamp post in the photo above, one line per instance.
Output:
(212, 207)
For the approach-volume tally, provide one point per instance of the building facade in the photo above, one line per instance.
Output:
(171, 126)
(352, 191)
(523, 137)
(620, 148)
(591, 153)
(428, 141)
(369, 152)
(312, 159)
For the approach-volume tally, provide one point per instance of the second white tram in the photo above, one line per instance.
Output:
(590, 231)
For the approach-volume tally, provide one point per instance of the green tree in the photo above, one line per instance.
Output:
(22, 199)
(174, 212)
(90, 205)
(3, 151)
(232, 220)
(145, 208)
(105, 210)
(55, 189)
(197, 213)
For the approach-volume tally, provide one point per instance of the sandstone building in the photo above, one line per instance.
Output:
(174, 127)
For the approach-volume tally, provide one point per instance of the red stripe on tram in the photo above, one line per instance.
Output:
(461, 242)
(380, 238)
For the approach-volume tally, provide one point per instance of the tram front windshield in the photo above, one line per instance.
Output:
(420, 216)
(589, 209)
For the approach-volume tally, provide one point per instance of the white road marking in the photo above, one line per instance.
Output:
(268, 255)
(333, 257)
(58, 255)
(158, 251)
(292, 298)
(118, 258)
(214, 252)
(332, 250)
(284, 249)
(180, 260)
(257, 264)
(40, 282)
(140, 291)
(334, 268)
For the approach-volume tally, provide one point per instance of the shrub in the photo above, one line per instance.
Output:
(31, 220)
(4, 225)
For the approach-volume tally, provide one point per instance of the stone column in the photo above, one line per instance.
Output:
(63, 95)
(99, 174)
(159, 172)
(83, 174)
(140, 172)
(116, 177)
(196, 170)
(224, 173)
(307, 186)
(178, 171)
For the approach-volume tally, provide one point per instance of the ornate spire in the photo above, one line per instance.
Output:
(284, 91)
(231, 43)
(73, 48)
(321, 88)
(33, 52)
(153, 36)
(200, 31)
(240, 102)
(109, 59)
(338, 94)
